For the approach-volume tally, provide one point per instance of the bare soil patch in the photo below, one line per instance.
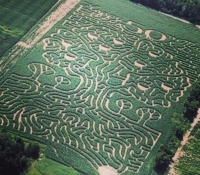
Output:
(107, 170)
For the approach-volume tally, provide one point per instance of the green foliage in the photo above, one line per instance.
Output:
(33, 150)
(69, 157)
(15, 157)
(11, 32)
(181, 8)
(49, 167)
(181, 124)
(17, 18)
(165, 154)
(163, 159)
(90, 110)
(189, 162)
(193, 102)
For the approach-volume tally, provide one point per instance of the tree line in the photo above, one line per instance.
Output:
(186, 9)
(15, 155)
(181, 124)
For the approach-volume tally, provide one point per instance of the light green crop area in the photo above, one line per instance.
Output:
(17, 17)
(14, 33)
(101, 86)
(50, 167)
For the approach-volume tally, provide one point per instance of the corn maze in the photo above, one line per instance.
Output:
(99, 84)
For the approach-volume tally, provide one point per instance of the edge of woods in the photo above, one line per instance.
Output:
(16, 154)
(186, 9)
(182, 124)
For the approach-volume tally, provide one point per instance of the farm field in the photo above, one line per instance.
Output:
(17, 17)
(50, 167)
(100, 88)
(189, 161)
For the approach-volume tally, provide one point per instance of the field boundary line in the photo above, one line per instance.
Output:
(48, 23)
(177, 18)
(55, 14)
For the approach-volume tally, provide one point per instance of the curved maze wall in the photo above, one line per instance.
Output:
(100, 88)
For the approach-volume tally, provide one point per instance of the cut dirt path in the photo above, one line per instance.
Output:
(179, 152)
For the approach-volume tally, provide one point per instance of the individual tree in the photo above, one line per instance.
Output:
(163, 159)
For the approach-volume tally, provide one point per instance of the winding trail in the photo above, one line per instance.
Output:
(179, 151)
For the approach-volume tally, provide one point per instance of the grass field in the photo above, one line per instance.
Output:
(100, 88)
(50, 167)
(17, 17)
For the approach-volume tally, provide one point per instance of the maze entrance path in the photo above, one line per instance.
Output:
(100, 86)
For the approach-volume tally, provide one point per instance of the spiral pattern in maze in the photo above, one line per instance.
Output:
(100, 87)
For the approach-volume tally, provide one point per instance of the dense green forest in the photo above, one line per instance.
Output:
(15, 155)
(187, 9)
(181, 124)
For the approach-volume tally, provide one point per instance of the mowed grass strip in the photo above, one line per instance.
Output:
(17, 17)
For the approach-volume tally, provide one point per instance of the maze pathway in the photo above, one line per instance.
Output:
(98, 84)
